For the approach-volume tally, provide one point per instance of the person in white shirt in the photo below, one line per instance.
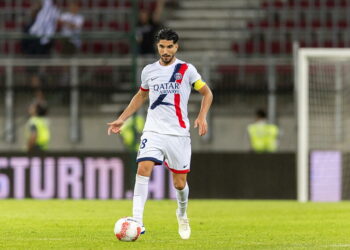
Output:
(43, 28)
(71, 23)
(166, 138)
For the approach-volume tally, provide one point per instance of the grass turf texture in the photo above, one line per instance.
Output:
(216, 224)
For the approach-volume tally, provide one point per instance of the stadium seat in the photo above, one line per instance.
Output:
(10, 25)
(316, 23)
(276, 3)
(299, 3)
(12, 47)
(123, 48)
(113, 25)
(87, 25)
(97, 47)
(295, 18)
(26, 4)
(103, 4)
(64, 3)
(342, 24)
(58, 46)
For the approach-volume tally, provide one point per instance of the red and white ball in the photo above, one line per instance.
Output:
(127, 229)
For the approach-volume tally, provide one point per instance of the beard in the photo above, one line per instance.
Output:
(166, 59)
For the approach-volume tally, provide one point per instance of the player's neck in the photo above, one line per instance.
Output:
(167, 64)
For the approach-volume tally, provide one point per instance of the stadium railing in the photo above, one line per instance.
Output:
(83, 86)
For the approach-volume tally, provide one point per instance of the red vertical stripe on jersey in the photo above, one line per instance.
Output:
(182, 71)
(178, 110)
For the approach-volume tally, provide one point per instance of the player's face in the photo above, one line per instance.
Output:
(167, 50)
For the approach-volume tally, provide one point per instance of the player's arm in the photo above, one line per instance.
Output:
(201, 121)
(136, 102)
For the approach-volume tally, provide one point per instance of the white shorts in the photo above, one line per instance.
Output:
(174, 151)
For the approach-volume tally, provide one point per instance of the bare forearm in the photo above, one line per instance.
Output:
(135, 103)
(206, 103)
(31, 142)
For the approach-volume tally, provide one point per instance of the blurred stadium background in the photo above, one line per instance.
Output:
(242, 48)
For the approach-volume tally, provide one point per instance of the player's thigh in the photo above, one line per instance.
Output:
(178, 154)
(149, 154)
(179, 180)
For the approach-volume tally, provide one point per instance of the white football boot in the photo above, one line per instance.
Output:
(143, 229)
(184, 227)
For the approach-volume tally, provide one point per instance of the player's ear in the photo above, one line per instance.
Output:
(176, 46)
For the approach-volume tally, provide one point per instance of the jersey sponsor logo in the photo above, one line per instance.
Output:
(167, 88)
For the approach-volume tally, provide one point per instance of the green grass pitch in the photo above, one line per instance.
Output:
(216, 224)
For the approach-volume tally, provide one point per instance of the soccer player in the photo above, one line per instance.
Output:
(166, 138)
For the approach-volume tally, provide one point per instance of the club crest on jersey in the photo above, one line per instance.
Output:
(178, 76)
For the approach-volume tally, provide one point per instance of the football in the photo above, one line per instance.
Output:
(127, 229)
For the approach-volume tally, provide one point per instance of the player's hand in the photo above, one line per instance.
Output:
(115, 126)
(202, 125)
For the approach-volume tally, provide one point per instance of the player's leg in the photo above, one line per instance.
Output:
(144, 171)
(149, 155)
(182, 191)
(178, 160)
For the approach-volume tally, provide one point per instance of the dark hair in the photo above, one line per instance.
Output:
(260, 113)
(41, 109)
(167, 34)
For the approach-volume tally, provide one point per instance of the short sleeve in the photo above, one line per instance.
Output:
(193, 74)
(144, 84)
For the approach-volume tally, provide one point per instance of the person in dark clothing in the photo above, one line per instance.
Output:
(41, 29)
(148, 26)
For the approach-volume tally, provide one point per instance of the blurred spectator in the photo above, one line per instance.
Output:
(263, 136)
(131, 132)
(37, 128)
(148, 25)
(71, 24)
(42, 28)
(26, 42)
(35, 8)
(36, 85)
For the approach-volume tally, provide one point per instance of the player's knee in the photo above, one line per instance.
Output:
(142, 171)
(179, 184)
